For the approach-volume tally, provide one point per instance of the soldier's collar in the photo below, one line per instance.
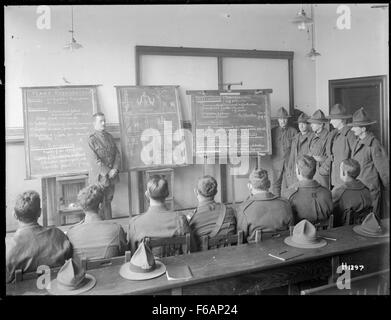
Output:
(263, 196)
(158, 208)
(368, 139)
(308, 184)
(205, 203)
(354, 184)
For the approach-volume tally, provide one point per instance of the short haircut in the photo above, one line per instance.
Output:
(207, 186)
(157, 187)
(259, 179)
(98, 114)
(27, 206)
(90, 197)
(351, 167)
(307, 166)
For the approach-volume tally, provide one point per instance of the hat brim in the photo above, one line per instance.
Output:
(361, 124)
(320, 243)
(89, 283)
(358, 229)
(282, 117)
(317, 121)
(126, 273)
(338, 116)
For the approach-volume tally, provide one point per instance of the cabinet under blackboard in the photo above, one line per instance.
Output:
(57, 124)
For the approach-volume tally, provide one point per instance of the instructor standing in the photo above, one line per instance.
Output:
(104, 162)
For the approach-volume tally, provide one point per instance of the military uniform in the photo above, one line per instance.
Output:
(353, 197)
(300, 146)
(210, 215)
(263, 211)
(309, 200)
(157, 222)
(318, 146)
(103, 157)
(374, 164)
(281, 149)
(341, 144)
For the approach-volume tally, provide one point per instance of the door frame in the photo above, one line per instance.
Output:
(381, 81)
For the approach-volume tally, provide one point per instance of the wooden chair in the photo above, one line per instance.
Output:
(263, 235)
(208, 243)
(170, 246)
(353, 218)
(325, 224)
(376, 283)
(89, 264)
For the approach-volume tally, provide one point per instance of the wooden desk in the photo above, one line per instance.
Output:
(243, 269)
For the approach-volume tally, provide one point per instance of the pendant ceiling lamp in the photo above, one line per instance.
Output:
(72, 45)
(313, 53)
(302, 20)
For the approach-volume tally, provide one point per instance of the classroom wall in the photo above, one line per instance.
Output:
(359, 52)
(35, 57)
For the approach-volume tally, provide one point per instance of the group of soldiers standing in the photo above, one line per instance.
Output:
(329, 148)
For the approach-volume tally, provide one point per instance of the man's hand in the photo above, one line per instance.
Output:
(113, 173)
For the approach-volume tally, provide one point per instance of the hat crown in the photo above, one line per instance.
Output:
(338, 110)
(282, 113)
(360, 116)
(71, 273)
(302, 117)
(304, 232)
(371, 224)
(318, 115)
(143, 259)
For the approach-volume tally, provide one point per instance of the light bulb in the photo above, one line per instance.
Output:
(301, 26)
(313, 58)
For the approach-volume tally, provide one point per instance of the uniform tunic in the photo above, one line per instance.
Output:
(281, 149)
(103, 157)
(319, 147)
(342, 142)
(33, 245)
(374, 165)
(263, 211)
(204, 220)
(353, 197)
(300, 146)
(309, 200)
(157, 222)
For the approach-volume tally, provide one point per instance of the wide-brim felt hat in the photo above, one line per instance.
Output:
(361, 119)
(338, 111)
(304, 236)
(370, 227)
(302, 118)
(318, 117)
(86, 284)
(129, 274)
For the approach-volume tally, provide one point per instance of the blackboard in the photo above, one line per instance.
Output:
(237, 109)
(57, 124)
(142, 108)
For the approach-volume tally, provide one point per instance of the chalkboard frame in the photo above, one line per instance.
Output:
(265, 92)
(125, 164)
(95, 108)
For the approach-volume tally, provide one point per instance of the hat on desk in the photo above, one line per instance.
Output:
(338, 111)
(318, 117)
(142, 265)
(71, 279)
(371, 227)
(304, 236)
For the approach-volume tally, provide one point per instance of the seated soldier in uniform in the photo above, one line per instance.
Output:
(309, 200)
(33, 245)
(210, 218)
(158, 221)
(94, 238)
(352, 196)
(262, 209)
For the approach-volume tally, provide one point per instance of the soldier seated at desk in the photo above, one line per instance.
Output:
(157, 221)
(352, 196)
(309, 200)
(262, 209)
(210, 218)
(94, 238)
(33, 245)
